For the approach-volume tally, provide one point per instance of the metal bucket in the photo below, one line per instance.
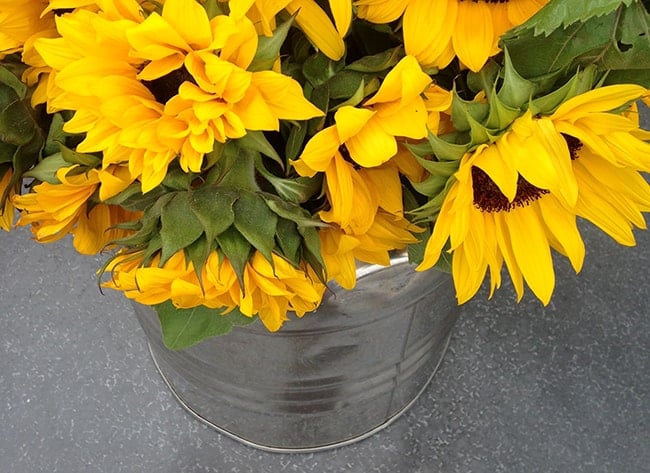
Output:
(335, 376)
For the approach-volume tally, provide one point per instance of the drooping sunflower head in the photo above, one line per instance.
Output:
(526, 173)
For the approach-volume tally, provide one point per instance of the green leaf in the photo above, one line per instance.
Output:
(617, 41)
(294, 143)
(256, 222)
(268, 48)
(9, 78)
(377, 62)
(213, 207)
(7, 151)
(183, 328)
(318, 68)
(559, 14)
(180, 227)
(345, 84)
(16, 124)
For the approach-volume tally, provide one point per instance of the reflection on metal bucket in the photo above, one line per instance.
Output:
(335, 376)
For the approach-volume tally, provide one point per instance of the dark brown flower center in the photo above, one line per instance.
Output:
(165, 87)
(489, 198)
(574, 144)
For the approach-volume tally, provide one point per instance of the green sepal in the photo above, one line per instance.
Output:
(431, 186)
(152, 249)
(237, 249)
(213, 207)
(318, 68)
(446, 151)
(311, 251)
(293, 212)
(462, 110)
(579, 83)
(256, 222)
(183, 328)
(297, 190)
(45, 171)
(289, 240)
(55, 135)
(179, 226)
(515, 92)
(256, 141)
(268, 48)
(176, 179)
(73, 157)
(357, 96)
(415, 251)
(501, 115)
(198, 253)
(478, 133)
(485, 79)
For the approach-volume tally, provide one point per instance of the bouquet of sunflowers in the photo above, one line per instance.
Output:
(233, 158)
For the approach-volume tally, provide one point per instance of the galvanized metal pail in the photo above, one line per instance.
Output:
(331, 378)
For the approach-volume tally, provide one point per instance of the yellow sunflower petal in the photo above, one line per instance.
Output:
(318, 27)
(473, 38)
(531, 251)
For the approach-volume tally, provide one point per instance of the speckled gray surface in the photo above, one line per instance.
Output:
(523, 388)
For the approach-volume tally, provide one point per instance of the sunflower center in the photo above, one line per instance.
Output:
(489, 198)
(165, 87)
(574, 145)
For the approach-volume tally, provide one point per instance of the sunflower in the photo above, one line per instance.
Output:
(55, 210)
(309, 16)
(608, 150)
(437, 30)
(272, 289)
(20, 20)
(6, 206)
(514, 200)
(149, 90)
(369, 133)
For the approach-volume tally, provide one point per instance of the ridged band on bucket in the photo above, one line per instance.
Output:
(333, 377)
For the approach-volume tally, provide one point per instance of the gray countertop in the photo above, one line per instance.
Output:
(523, 388)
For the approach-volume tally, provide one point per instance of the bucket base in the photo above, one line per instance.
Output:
(319, 448)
